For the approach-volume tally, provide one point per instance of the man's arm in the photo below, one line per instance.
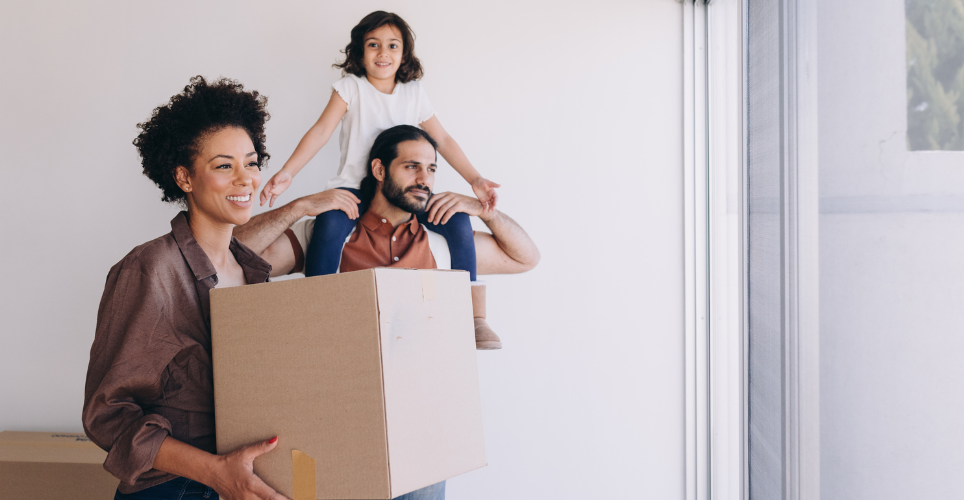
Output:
(263, 229)
(264, 233)
(508, 250)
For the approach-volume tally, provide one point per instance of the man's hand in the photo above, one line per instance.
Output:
(236, 477)
(484, 190)
(332, 199)
(443, 206)
(275, 186)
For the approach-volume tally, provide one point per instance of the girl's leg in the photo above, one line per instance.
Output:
(327, 240)
(458, 233)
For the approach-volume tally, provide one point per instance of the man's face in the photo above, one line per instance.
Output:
(409, 179)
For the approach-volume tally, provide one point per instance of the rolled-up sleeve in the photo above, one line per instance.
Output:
(132, 346)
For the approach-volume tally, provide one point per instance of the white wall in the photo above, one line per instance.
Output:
(891, 241)
(575, 107)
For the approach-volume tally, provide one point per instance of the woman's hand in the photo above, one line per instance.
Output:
(443, 206)
(275, 186)
(332, 199)
(484, 190)
(235, 477)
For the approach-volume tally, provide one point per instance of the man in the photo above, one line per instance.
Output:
(399, 184)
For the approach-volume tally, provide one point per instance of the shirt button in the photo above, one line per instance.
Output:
(393, 238)
(396, 259)
(384, 221)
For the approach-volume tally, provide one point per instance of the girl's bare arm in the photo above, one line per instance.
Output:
(316, 137)
(450, 150)
(483, 188)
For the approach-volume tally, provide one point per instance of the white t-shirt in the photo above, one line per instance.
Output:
(369, 113)
(436, 242)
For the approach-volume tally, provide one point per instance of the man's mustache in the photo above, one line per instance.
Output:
(423, 189)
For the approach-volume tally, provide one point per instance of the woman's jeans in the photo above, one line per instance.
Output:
(332, 227)
(181, 488)
(185, 489)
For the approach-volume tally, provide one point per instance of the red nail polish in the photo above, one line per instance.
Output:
(273, 440)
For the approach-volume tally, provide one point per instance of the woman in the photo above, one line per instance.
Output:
(149, 397)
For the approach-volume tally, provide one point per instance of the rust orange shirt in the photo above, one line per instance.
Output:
(375, 243)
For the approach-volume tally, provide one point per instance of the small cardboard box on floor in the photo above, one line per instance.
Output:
(369, 379)
(53, 466)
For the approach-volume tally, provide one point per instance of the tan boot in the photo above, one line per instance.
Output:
(485, 338)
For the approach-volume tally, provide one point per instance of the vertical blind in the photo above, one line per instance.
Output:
(766, 231)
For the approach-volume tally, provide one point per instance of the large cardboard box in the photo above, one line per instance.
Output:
(369, 379)
(52, 466)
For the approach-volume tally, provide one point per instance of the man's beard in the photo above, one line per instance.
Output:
(395, 195)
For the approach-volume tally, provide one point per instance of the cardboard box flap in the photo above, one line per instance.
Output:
(49, 447)
(434, 422)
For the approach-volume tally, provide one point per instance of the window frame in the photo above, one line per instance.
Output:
(716, 257)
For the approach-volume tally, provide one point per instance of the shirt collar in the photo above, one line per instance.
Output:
(373, 222)
(413, 225)
(196, 259)
(256, 269)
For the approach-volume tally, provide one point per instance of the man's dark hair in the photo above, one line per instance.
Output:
(385, 149)
(409, 70)
(171, 137)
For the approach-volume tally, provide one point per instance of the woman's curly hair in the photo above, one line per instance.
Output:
(409, 70)
(171, 137)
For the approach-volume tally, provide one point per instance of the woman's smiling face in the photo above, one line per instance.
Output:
(225, 177)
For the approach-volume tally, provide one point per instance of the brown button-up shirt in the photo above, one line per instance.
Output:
(150, 370)
(375, 243)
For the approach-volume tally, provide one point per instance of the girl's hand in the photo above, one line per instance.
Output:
(236, 479)
(443, 206)
(273, 189)
(484, 190)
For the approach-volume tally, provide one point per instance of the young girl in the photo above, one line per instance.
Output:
(380, 89)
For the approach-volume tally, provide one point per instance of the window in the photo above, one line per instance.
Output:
(935, 74)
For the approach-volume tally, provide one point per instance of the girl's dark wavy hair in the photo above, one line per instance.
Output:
(385, 149)
(171, 137)
(410, 69)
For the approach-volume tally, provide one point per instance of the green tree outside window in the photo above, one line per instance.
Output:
(935, 74)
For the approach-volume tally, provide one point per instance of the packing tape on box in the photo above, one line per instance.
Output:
(428, 286)
(302, 476)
